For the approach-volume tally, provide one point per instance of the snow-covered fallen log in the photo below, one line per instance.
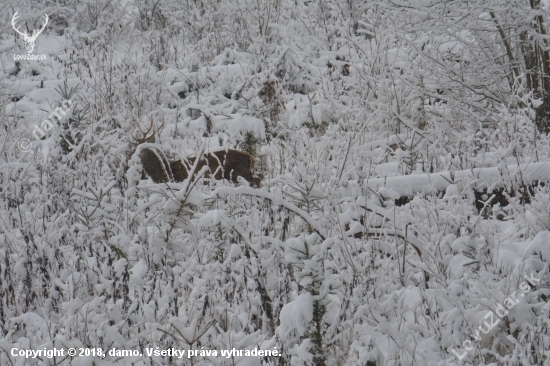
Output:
(478, 179)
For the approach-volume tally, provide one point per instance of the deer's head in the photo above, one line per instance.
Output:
(142, 137)
(29, 40)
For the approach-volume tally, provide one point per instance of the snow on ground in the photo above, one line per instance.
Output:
(404, 184)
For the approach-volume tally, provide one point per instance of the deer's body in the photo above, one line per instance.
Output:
(223, 164)
(229, 164)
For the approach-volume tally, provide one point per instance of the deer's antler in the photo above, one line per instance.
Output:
(145, 137)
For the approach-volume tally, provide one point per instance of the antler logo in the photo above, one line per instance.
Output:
(29, 40)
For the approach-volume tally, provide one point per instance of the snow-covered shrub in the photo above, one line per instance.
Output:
(383, 133)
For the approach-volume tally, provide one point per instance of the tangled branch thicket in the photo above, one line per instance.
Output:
(339, 258)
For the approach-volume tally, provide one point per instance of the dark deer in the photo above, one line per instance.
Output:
(229, 165)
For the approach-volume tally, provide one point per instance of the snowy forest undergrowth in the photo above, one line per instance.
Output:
(404, 157)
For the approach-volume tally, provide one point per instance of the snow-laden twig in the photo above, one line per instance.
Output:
(277, 200)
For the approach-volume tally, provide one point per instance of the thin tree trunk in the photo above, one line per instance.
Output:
(542, 61)
(507, 47)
